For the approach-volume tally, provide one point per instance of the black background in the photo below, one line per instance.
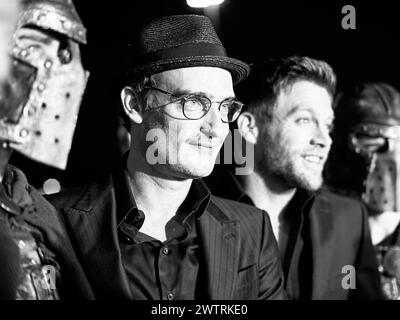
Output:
(250, 30)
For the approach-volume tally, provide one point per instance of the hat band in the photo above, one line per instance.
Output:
(184, 51)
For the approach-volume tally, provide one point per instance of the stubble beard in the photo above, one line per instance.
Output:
(279, 164)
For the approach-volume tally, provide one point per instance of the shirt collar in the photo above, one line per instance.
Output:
(224, 184)
(196, 200)
(302, 200)
(126, 205)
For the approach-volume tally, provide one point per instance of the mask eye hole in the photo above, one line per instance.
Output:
(64, 51)
(65, 55)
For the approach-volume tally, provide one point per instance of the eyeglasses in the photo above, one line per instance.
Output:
(196, 106)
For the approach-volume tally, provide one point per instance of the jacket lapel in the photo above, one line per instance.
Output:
(220, 240)
(93, 219)
(321, 228)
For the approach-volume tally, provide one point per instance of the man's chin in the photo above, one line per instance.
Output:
(193, 171)
(306, 180)
(201, 173)
(198, 164)
(311, 184)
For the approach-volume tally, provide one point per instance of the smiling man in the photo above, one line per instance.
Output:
(320, 235)
(296, 141)
(153, 230)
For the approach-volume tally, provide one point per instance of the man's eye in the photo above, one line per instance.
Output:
(193, 104)
(303, 120)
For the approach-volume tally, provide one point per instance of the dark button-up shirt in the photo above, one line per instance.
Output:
(162, 270)
(295, 247)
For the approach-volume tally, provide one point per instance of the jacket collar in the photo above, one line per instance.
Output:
(223, 183)
(321, 222)
(220, 238)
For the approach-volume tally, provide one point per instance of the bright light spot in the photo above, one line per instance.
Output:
(203, 3)
(51, 186)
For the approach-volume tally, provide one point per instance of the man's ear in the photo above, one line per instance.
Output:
(131, 103)
(248, 127)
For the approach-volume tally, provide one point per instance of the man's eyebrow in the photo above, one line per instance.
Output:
(197, 93)
(301, 108)
(296, 109)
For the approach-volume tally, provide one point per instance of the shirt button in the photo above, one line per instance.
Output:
(170, 296)
(165, 250)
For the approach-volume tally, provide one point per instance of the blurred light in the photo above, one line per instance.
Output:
(203, 3)
(51, 186)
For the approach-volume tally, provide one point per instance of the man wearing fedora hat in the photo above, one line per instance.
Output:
(152, 230)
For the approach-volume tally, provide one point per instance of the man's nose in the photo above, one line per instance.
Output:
(321, 137)
(213, 126)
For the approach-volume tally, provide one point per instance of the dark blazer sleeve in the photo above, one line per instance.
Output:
(270, 270)
(367, 275)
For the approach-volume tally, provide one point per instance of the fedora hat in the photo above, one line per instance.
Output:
(180, 41)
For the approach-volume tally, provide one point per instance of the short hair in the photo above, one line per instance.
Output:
(260, 91)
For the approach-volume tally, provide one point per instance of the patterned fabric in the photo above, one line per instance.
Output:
(388, 254)
(37, 279)
(38, 271)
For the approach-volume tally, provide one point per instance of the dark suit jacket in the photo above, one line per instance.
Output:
(241, 259)
(339, 235)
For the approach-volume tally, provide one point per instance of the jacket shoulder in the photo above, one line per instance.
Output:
(232, 204)
(237, 210)
(340, 200)
(85, 195)
(341, 207)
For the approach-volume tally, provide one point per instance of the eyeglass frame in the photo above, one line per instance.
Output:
(186, 96)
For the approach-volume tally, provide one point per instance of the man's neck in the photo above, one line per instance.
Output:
(158, 198)
(268, 196)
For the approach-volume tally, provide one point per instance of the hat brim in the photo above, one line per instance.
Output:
(238, 69)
